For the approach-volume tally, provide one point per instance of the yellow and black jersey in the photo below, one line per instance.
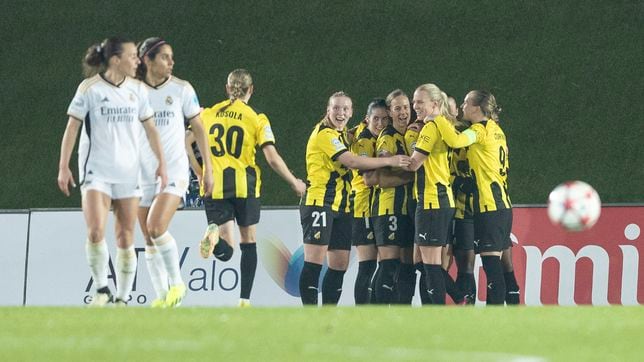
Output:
(235, 130)
(461, 180)
(354, 133)
(391, 200)
(488, 158)
(432, 178)
(329, 182)
(364, 145)
(411, 136)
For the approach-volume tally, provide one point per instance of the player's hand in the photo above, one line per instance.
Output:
(299, 187)
(399, 161)
(65, 179)
(162, 175)
(207, 182)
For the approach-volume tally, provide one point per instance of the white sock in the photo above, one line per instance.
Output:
(157, 272)
(167, 247)
(98, 258)
(125, 272)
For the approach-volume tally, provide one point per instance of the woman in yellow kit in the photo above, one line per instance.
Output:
(325, 211)
(488, 159)
(235, 129)
(362, 236)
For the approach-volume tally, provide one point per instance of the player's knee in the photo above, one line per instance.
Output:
(155, 229)
(95, 234)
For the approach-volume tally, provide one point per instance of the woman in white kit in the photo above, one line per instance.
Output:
(173, 100)
(111, 105)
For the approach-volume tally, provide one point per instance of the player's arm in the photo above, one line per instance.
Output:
(196, 166)
(155, 144)
(451, 136)
(200, 137)
(415, 161)
(278, 165)
(65, 177)
(350, 160)
(394, 177)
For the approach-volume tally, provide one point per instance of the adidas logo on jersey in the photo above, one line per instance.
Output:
(172, 184)
(105, 100)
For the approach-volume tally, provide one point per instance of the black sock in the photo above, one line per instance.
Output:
(450, 286)
(511, 288)
(309, 279)
(385, 281)
(406, 283)
(332, 286)
(466, 283)
(373, 299)
(361, 291)
(435, 283)
(495, 282)
(422, 284)
(247, 267)
(223, 251)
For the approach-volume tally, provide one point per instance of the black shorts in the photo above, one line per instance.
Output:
(393, 230)
(463, 234)
(244, 211)
(323, 226)
(492, 230)
(433, 227)
(362, 231)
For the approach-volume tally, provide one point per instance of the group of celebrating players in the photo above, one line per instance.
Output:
(411, 187)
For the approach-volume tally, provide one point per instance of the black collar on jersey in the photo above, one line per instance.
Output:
(158, 85)
(108, 81)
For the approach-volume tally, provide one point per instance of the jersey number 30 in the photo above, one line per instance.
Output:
(233, 138)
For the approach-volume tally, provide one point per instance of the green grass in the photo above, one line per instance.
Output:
(340, 334)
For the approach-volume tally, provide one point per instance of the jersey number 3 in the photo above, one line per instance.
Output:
(233, 138)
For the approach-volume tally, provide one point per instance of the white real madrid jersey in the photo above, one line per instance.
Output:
(110, 139)
(173, 102)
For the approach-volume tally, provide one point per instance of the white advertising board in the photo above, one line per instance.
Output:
(14, 229)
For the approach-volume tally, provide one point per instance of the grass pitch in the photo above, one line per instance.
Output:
(325, 334)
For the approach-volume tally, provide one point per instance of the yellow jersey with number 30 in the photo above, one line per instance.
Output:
(235, 130)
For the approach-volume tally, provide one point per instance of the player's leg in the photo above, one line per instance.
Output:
(96, 206)
(247, 213)
(385, 227)
(338, 258)
(451, 288)
(161, 212)
(218, 239)
(488, 240)
(153, 259)
(317, 223)
(363, 239)
(125, 206)
(464, 257)
(406, 277)
(432, 232)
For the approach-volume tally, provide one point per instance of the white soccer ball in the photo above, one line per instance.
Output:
(574, 205)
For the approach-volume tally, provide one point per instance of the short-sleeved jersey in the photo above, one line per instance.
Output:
(355, 131)
(433, 189)
(109, 145)
(364, 145)
(460, 172)
(411, 136)
(488, 158)
(235, 130)
(329, 182)
(173, 102)
(391, 200)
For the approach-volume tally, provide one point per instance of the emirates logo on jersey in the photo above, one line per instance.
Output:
(169, 101)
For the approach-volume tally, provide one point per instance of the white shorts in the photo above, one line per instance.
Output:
(174, 187)
(113, 190)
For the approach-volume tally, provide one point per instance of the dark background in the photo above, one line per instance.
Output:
(569, 76)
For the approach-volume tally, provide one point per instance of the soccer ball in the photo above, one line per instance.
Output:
(574, 205)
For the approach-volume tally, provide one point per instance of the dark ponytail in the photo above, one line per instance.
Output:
(97, 56)
(149, 47)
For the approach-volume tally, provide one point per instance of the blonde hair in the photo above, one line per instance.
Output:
(239, 83)
(437, 95)
(487, 102)
(338, 94)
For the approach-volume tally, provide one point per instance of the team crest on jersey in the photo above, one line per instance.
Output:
(392, 236)
(338, 144)
(169, 101)
(370, 235)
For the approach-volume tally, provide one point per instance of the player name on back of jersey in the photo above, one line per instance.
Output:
(162, 118)
(118, 114)
(229, 114)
